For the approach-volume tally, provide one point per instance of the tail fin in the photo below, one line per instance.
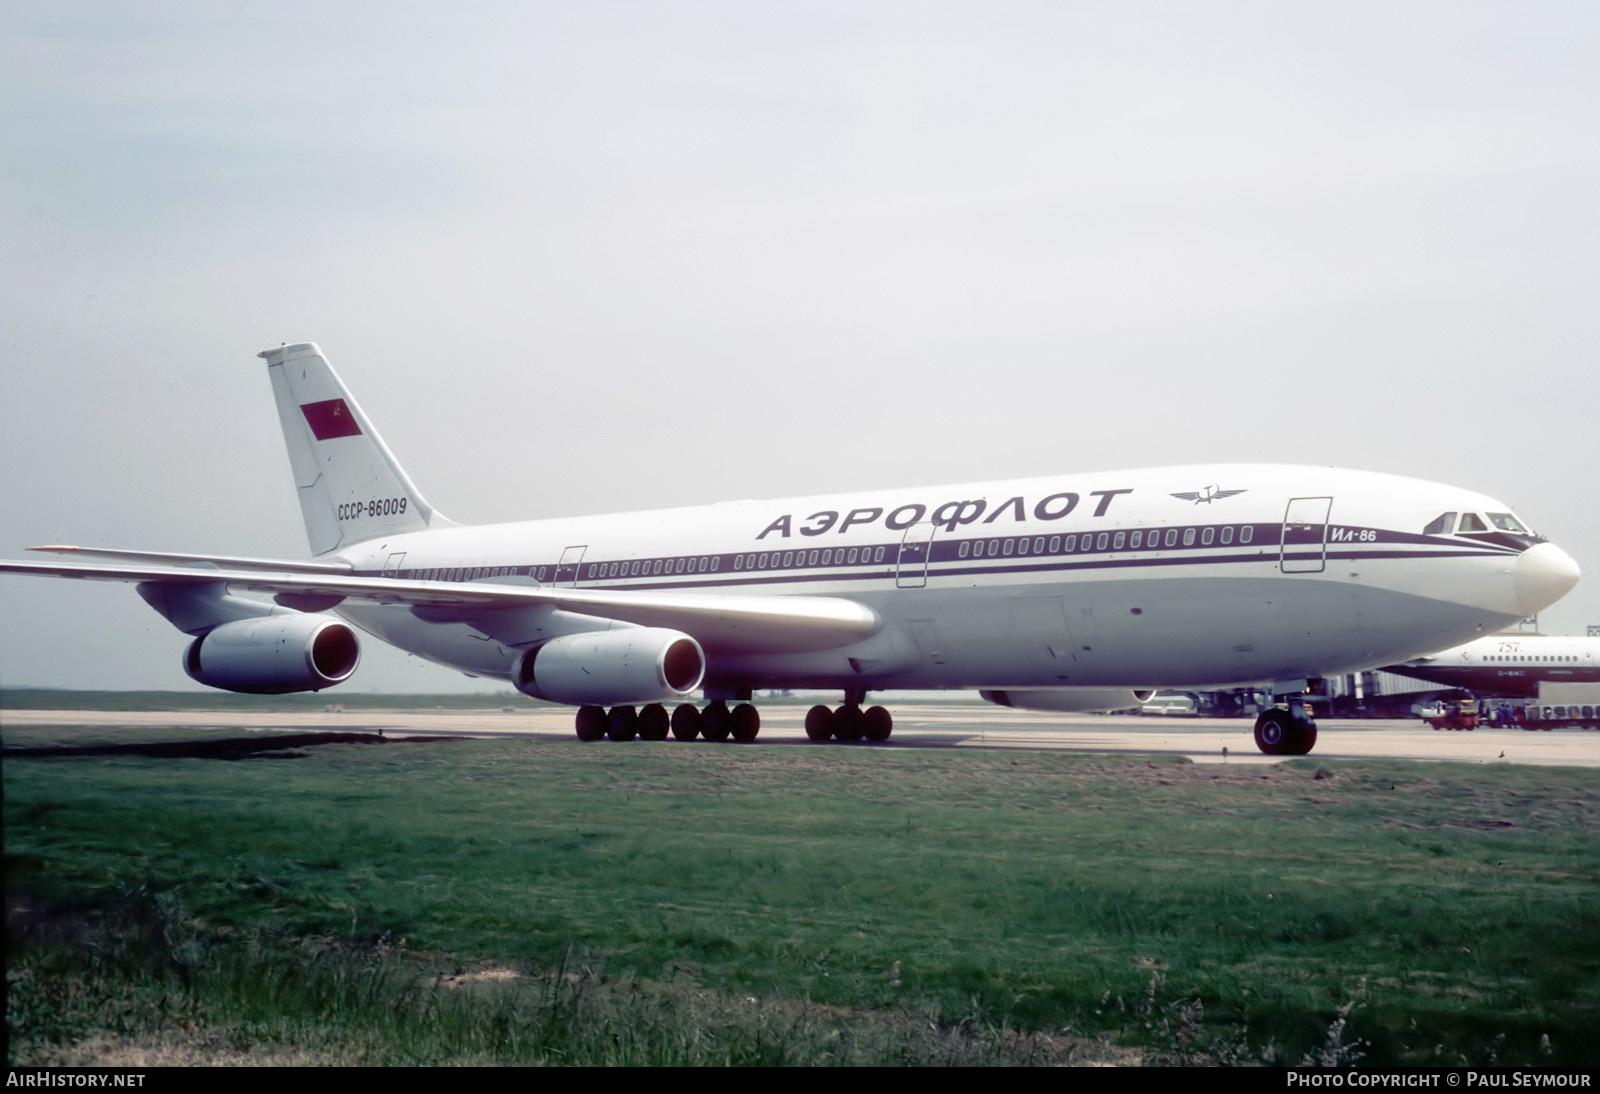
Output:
(351, 487)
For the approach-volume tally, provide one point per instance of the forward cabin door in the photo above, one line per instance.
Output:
(1305, 536)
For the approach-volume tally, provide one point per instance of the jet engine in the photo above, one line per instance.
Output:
(274, 654)
(1068, 699)
(607, 668)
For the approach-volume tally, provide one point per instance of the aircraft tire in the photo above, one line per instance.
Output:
(686, 721)
(716, 721)
(1304, 739)
(847, 723)
(819, 723)
(877, 723)
(745, 722)
(1274, 729)
(622, 724)
(654, 723)
(591, 723)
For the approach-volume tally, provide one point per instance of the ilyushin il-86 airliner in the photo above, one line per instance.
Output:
(1069, 592)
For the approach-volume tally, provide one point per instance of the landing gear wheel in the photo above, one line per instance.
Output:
(686, 722)
(877, 723)
(1274, 728)
(716, 721)
(622, 724)
(1280, 733)
(745, 722)
(819, 723)
(654, 723)
(847, 723)
(591, 723)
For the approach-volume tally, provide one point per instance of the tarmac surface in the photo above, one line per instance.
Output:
(917, 725)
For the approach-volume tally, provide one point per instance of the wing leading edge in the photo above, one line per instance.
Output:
(720, 622)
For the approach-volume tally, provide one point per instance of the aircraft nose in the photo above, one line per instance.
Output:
(1544, 574)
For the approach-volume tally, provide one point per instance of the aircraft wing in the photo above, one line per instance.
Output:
(720, 622)
(215, 562)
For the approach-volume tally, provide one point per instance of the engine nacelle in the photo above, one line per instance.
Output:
(1069, 699)
(608, 668)
(274, 654)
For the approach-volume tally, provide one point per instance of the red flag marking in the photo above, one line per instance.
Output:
(330, 418)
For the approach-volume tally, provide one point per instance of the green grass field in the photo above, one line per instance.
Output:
(536, 901)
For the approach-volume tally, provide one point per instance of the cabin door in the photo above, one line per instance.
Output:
(567, 568)
(1305, 536)
(911, 567)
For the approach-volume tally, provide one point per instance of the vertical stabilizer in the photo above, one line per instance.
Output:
(351, 488)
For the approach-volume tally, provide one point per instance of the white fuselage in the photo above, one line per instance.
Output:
(1159, 577)
(1510, 664)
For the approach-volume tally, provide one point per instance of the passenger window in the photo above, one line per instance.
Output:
(788, 558)
(1247, 533)
(1207, 535)
(1116, 544)
(1227, 534)
(1101, 540)
(1188, 537)
(812, 561)
(877, 554)
(959, 554)
(1172, 537)
(1055, 544)
(1070, 545)
(1138, 538)
(1440, 525)
(852, 557)
(1007, 547)
(1038, 545)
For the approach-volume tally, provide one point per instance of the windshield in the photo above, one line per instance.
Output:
(1508, 523)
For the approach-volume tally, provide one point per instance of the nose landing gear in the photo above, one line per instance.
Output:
(1285, 732)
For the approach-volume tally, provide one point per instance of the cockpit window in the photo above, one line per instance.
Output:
(1471, 522)
(1508, 523)
(1440, 525)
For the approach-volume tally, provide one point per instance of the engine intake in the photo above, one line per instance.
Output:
(1068, 699)
(628, 665)
(274, 655)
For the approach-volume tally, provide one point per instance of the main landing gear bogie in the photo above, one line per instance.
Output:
(849, 723)
(1283, 733)
(717, 722)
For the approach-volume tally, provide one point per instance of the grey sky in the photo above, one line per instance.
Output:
(584, 257)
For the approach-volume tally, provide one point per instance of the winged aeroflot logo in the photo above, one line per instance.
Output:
(1208, 495)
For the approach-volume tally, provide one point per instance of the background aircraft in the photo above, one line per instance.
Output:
(1509, 664)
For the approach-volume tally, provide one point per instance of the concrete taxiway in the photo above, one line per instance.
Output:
(917, 725)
